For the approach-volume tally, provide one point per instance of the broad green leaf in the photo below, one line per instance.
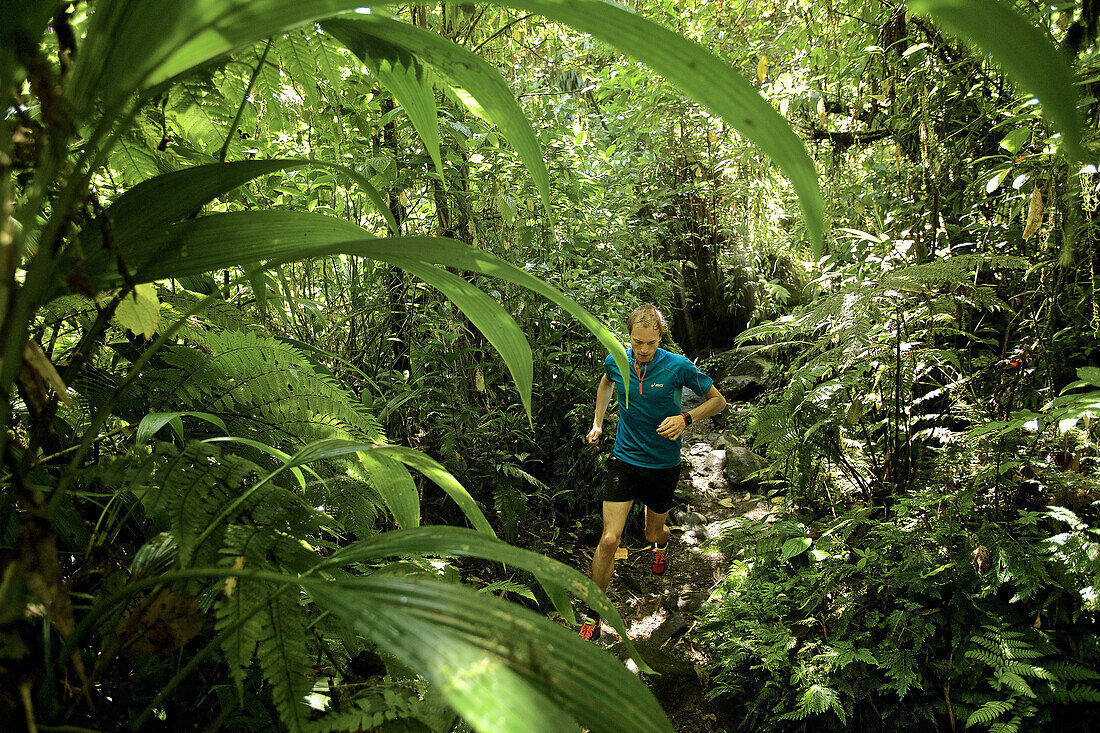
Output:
(1090, 375)
(456, 541)
(1013, 141)
(154, 421)
(994, 183)
(395, 485)
(338, 447)
(489, 318)
(1026, 54)
(174, 196)
(271, 451)
(217, 241)
(139, 311)
(501, 666)
(196, 246)
(483, 89)
(703, 77)
(403, 74)
(795, 546)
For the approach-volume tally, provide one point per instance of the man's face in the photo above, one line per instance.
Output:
(644, 341)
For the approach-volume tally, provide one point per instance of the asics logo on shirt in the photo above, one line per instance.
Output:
(656, 384)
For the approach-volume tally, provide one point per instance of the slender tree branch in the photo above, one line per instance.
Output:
(503, 28)
(244, 101)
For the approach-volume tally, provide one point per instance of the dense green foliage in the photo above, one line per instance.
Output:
(259, 259)
(938, 562)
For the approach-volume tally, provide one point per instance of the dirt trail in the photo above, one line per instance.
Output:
(661, 612)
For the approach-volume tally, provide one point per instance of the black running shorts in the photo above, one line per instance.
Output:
(654, 487)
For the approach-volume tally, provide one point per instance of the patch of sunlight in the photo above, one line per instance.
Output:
(643, 627)
(289, 96)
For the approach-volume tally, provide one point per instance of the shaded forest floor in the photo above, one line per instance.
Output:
(661, 612)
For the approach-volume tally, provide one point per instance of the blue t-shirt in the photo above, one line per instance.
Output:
(652, 399)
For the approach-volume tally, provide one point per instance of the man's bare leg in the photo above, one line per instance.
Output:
(657, 534)
(655, 528)
(603, 560)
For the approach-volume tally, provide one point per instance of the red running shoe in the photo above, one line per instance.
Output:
(590, 629)
(659, 563)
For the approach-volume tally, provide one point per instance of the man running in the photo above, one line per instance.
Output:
(646, 462)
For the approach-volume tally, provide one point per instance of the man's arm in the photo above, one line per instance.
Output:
(672, 427)
(603, 399)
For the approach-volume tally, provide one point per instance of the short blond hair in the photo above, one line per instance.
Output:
(647, 315)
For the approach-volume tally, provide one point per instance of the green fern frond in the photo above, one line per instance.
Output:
(1012, 726)
(68, 307)
(1028, 670)
(1070, 672)
(1070, 695)
(816, 700)
(353, 502)
(957, 269)
(511, 504)
(991, 651)
(360, 715)
(386, 702)
(508, 586)
(255, 382)
(989, 712)
(510, 469)
(240, 619)
(216, 315)
(901, 667)
(1016, 683)
(200, 484)
(285, 661)
(269, 543)
(278, 382)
